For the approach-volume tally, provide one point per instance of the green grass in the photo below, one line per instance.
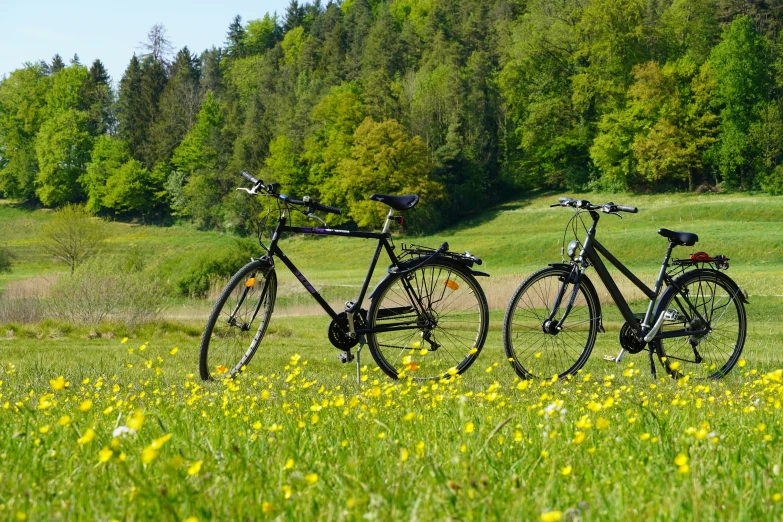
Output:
(509, 467)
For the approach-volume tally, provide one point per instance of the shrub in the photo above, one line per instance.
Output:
(103, 288)
(197, 279)
(6, 257)
(773, 183)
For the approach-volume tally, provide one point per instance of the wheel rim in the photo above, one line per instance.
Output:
(449, 319)
(238, 329)
(536, 353)
(717, 305)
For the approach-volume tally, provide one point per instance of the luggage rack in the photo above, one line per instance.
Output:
(413, 251)
(698, 260)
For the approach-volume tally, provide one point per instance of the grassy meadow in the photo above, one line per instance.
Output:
(113, 424)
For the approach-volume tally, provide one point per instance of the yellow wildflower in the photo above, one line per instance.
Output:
(105, 454)
(87, 437)
(195, 468)
(58, 383)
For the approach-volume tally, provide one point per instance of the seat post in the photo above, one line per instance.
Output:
(647, 323)
(386, 225)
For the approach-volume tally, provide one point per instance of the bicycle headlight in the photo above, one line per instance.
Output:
(573, 248)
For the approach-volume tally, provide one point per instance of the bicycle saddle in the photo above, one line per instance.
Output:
(680, 238)
(397, 202)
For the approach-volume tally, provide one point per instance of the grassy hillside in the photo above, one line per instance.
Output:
(513, 238)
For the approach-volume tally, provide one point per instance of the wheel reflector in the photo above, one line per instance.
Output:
(250, 282)
(451, 284)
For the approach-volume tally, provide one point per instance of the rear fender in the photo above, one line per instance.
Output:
(457, 266)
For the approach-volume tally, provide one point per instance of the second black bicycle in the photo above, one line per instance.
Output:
(696, 325)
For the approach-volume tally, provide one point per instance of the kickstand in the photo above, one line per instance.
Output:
(359, 360)
(652, 363)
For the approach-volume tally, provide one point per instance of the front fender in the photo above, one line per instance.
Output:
(590, 289)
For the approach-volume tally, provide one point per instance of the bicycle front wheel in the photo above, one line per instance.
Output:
(238, 321)
(534, 349)
(710, 305)
(429, 323)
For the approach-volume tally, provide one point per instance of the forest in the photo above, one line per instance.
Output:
(466, 102)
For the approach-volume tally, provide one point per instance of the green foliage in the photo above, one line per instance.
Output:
(210, 269)
(199, 149)
(662, 133)
(132, 188)
(385, 160)
(740, 63)
(22, 109)
(63, 149)
(108, 155)
(506, 96)
(6, 260)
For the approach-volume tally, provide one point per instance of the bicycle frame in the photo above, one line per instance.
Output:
(590, 252)
(383, 244)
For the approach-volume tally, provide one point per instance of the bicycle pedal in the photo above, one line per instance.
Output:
(671, 315)
(345, 357)
(610, 358)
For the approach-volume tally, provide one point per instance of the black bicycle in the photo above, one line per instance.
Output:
(696, 326)
(427, 318)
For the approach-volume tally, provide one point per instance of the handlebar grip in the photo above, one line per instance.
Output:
(444, 247)
(250, 178)
(566, 200)
(623, 208)
(326, 208)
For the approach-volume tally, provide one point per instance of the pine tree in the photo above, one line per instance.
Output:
(294, 16)
(179, 105)
(97, 99)
(133, 109)
(235, 38)
(57, 64)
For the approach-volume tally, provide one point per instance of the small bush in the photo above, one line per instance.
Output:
(20, 307)
(103, 289)
(773, 183)
(197, 279)
(6, 259)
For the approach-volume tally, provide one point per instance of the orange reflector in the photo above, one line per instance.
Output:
(221, 369)
(451, 284)
(250, 282)
(412, 367)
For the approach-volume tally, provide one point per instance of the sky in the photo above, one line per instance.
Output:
(37, 29)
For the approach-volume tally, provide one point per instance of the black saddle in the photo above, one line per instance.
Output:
(679, 238)
(397, 202)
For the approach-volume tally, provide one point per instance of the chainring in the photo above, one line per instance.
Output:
(338, 330)
(630, 340)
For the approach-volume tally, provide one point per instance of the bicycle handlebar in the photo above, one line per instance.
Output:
(271, 189)
(251, 179)
(583, 204)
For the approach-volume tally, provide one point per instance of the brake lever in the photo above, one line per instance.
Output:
(253, 191)
(313, 216)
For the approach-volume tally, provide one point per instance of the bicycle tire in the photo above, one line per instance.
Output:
(458, 296)
(534, 361)
(211, 356)
(675, 354)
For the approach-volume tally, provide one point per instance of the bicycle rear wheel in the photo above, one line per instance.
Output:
(433, 322)
(238, 321)
(711, 301)
(542, 298)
